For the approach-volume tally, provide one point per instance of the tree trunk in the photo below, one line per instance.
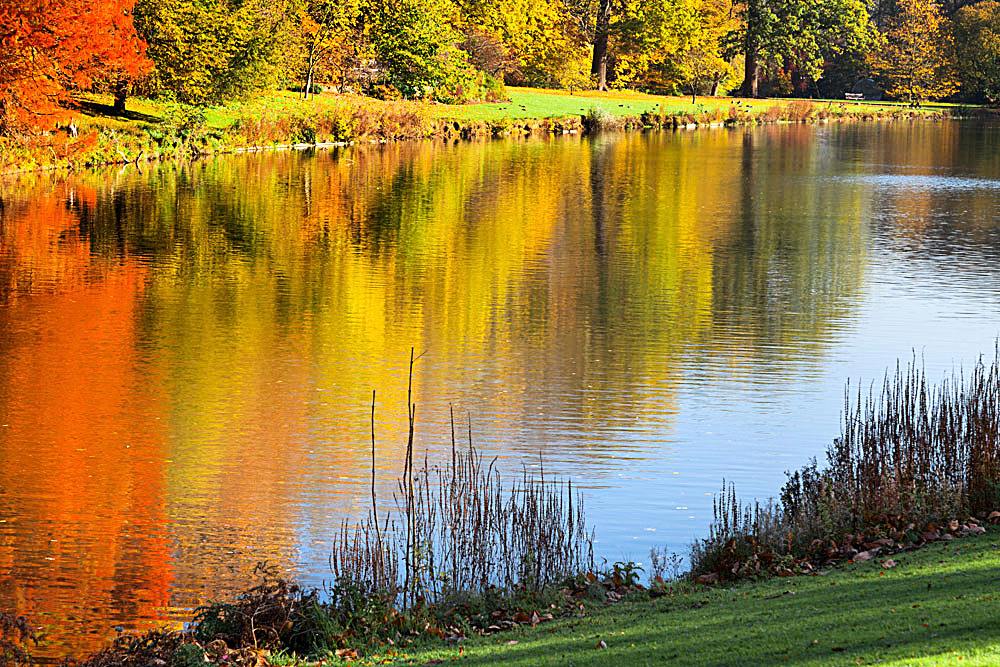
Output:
(751, 69)
(310, 70)
(121, 94)
(599, 66)
(750, 74)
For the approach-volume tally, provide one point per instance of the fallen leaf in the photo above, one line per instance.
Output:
(889, 563)
(346, 654)
(512, 642)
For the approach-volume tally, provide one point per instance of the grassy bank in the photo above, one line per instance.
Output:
(937, 605)
(153, 130)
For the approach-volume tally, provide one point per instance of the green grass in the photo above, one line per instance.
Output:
(152, 130)
(538, 103)
(939, 605)
(217, 117)
(524, 103)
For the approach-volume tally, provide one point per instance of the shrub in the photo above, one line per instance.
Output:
(273, 614)
(314, 89)
(15, 636)
(599, 119)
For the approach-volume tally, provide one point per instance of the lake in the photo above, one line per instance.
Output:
(188, 351)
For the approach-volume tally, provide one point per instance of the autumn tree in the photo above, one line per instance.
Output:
(534, 42)
(206, 51)
(415, 43)
(647, 35)
(778, 35)
(977, 42)
(50, 47)
(602, 30)
(700, 62)
(913, 55)
(333, 38)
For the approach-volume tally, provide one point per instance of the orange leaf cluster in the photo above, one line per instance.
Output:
(48, 47)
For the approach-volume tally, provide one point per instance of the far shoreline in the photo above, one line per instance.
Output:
(153, 131)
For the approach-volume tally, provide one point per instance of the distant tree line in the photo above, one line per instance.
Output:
(207, 51)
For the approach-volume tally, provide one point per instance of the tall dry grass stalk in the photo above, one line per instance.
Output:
(918, 449)
(910, 455)
(460, 528)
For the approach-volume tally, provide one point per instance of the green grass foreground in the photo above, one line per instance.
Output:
(939, 605)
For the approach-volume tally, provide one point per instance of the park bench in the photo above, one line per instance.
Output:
(857, 97)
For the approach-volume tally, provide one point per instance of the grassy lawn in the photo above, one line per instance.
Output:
(524, 103)
(939, 605)
(538, 103)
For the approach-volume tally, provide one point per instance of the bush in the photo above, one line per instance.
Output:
(598, 119)
(15, 636)
(273, 614)
(315, 89)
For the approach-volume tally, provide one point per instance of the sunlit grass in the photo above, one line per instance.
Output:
(524, 103)
(939, 605)
(538, 103)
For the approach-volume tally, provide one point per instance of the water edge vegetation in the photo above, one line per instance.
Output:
(153, 130)
(915, 465)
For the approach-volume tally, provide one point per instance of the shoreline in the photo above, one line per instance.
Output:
(104, 140)
(610, 617)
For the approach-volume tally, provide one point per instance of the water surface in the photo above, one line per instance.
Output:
(187, 351)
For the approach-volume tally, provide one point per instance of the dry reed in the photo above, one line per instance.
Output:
(911, 456)
(458, 528)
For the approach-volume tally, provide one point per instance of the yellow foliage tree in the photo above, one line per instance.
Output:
(700, 59)
(913, 56)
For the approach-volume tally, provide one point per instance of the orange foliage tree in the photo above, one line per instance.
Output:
(48, 47)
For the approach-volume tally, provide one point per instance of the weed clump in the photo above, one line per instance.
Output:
(599, 119)
(16, 636)
(914, 463)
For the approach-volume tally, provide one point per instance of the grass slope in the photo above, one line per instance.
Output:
(940, 605)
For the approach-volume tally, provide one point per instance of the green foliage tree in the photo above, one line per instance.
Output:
(913, 56)
(415, 43)
(801, 34)
(205, 51)
(977, 42)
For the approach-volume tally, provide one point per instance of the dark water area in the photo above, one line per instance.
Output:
(187, 351)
